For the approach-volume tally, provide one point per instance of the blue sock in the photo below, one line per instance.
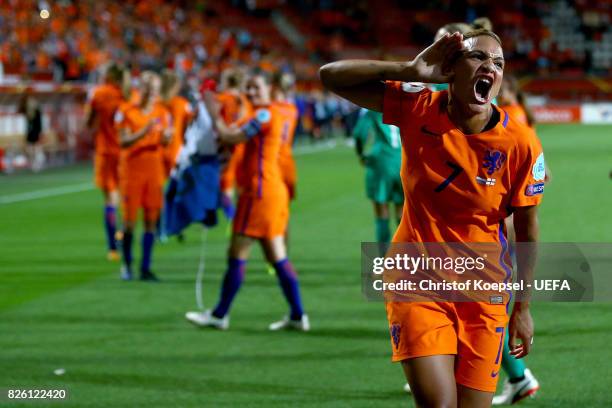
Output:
(110, 225)
(231, 284)
(287, 278)
(148, 238)
(126, 246)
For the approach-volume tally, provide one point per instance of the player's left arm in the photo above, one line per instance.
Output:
(526, 227)
(227, 134)
(232, 134)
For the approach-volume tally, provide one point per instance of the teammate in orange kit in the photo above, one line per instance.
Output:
(263, 209)
(181, 113)
(142, 133)
(282, 83)
(465, 166)
(234, 106)
(512, 100)
(99, 114)
(281, 88)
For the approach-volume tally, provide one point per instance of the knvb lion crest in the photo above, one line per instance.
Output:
(493, 161)
(395, 334)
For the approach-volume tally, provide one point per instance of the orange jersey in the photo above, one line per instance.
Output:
(146, 151)
(458, 187)
(141, 172)
(289, 113)
(517, 112)
(104, 101)
(181, 112)
(262, 173)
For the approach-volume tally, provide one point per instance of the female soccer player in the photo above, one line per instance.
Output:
(383, 184)
(282, 84)
(181, 113)
(281, 89)
(263, 207)
(99, 115)
(452, 142)
(234, 107)
(142, 134)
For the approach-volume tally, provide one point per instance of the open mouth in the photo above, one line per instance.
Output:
(482, 89)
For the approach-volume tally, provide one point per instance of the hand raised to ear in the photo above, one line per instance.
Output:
(430, 63)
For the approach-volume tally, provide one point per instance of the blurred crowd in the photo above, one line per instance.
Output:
(70, 39)
(77, 37)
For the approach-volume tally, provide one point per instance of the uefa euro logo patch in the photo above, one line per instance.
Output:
(395, 334)
(493, 161)
(534, 189)
(539, 168)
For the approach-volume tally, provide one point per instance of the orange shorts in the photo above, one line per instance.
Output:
(141, 191)
(106, 170)
(472, 331)
(264, 217)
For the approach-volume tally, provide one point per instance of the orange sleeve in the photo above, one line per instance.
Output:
(120, 119)
(528, 185)
(400, 100)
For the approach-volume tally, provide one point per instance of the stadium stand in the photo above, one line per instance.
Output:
(561, 50)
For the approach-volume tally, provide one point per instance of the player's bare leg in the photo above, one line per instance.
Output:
(432, 380)
(471, 398)
(240, 246)
(276, 254)
(274, 249)
(381, 210)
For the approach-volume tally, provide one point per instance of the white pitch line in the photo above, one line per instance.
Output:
(77, 188)
(304, 150)
(47, 192)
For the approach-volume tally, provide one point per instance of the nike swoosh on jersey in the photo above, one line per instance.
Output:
(429, 132)
(494, 373)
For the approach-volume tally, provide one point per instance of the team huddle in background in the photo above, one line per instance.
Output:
(148, 133)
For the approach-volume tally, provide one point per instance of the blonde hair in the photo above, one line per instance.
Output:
(232, 78)
(482, 22)
(169, 80)
(480, 32)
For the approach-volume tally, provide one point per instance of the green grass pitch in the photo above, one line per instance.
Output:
(127, 344)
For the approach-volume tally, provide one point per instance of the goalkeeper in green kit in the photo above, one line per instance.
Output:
(382, 162)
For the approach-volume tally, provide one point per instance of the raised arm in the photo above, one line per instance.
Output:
(227, 134)
(89, 114)
(127, 138)
(361, 81)
(527, 232)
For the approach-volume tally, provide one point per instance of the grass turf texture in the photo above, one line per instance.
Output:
(127, 344)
